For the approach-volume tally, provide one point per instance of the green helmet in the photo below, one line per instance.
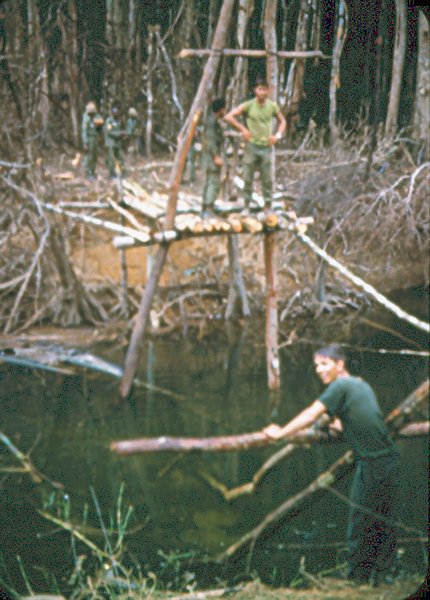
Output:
(132, 112)
(91, 108)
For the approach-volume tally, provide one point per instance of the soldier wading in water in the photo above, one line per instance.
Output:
(352, 404)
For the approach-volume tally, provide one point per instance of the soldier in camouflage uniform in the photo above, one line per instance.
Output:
(92, 123)
(212, 144)
(113, 143)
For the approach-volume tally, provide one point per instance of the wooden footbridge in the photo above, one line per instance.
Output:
(138, 218)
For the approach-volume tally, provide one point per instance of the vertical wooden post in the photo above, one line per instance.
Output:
(236, 288)
(133, 352)
(273, 376)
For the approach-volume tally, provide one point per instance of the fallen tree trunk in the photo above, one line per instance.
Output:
(239, 442)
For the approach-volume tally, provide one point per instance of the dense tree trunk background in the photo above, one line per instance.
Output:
(57, 55)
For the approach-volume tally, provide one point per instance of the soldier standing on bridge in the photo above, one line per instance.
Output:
(92, 123)
(212, 144)
(113, 141)
(257, 134)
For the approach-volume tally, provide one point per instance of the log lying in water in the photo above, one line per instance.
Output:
(236, 442)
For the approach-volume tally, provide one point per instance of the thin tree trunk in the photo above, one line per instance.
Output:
(342, 26)
(422, 93)
(149, 94)
(236, 91)
(397, 71)
(295, 83)
(377, 110)
(245, 441)
(70, 48)
(200, 100)
(272, 356)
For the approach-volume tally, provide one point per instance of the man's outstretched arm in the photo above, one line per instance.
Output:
(304, 419)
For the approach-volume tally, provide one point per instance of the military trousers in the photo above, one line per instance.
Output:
(90, 160)
(115, 155)
(212, 186)
(257, 158)
(371, 541)
(191, 163)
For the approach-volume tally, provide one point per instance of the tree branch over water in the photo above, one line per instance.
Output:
(251, 440)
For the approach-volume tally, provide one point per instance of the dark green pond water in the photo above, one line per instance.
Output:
(68, 422)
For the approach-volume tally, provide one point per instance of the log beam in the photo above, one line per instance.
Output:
(240, 442)
(190, 52)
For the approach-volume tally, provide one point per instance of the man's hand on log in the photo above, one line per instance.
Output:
(335, 427)
(274, 431)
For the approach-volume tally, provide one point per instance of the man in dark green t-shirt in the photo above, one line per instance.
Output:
(355, 412)
(259, 138)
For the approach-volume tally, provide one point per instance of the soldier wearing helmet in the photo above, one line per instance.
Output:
(92, 123)
(113, 139)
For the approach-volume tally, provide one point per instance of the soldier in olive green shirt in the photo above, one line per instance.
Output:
(259, 138)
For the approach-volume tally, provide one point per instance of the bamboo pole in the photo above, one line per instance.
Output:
(206, 82)
(140, 236)
(363, 285)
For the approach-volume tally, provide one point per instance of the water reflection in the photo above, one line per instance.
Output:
(71, 420)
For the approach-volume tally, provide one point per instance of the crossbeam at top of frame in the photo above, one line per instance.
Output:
(189, 52)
